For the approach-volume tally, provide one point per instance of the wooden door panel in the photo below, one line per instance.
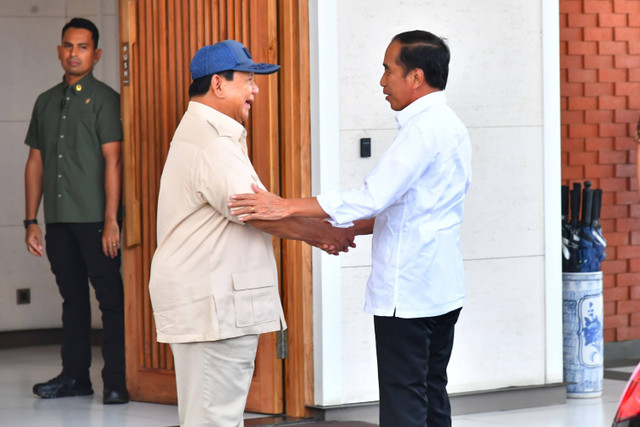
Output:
(158, 39)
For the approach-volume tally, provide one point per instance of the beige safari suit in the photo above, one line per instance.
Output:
(212, 277)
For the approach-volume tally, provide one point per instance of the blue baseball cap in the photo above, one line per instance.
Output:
(227, 55)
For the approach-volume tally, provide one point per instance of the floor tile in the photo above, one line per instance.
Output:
(21, 368)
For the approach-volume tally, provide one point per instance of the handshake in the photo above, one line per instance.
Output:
(299, 219)
(334, 239)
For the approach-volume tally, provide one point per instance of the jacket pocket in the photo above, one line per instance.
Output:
(255, 297)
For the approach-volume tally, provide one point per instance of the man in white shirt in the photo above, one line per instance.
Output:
(412, 202)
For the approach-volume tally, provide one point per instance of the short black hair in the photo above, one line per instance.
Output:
(424, 50)
(87, 25)
(201, 85)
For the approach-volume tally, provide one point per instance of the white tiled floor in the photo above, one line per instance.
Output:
(595, 412)
(21, 368)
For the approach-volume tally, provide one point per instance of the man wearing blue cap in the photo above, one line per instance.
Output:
(214, 285)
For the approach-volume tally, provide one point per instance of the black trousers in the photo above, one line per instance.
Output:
(75, 253)
(413, 355)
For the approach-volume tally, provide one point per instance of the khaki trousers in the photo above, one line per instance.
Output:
(213, 379)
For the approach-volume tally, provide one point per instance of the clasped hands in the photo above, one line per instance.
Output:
(335, 239)
(266, 206)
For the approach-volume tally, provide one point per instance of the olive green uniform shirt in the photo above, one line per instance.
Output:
(68, 126)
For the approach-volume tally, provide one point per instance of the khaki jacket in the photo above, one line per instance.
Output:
(212, 277)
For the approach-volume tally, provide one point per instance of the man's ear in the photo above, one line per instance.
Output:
(417, 77)
(217, 86)
(98, 54)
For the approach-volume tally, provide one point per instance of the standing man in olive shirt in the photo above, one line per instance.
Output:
(75, 163)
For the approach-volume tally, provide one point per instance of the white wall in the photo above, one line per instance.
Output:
(29, 34)
(496, 86)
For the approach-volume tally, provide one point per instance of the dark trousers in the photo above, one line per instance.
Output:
(413, 355)
(75, 253)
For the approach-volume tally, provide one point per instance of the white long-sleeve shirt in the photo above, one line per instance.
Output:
(416, 193)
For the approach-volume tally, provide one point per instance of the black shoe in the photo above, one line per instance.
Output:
(62, 386)
(114, 397)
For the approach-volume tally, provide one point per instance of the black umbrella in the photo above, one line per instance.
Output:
(599, 242)
(573, 238)
(566, 229)
(586, 250)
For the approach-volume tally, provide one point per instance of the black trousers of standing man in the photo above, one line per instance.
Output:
(75, 253)
(413, 355)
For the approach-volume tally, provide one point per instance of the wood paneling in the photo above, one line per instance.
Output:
(160, 37)
(296, 182)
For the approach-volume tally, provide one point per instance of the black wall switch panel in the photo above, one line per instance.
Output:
(365, 147)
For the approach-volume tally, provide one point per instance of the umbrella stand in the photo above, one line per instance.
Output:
(582, 301)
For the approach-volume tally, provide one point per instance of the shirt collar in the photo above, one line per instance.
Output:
(419, 105)
(81, 86)
(225, 125)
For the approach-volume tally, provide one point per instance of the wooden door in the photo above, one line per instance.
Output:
(157, 40)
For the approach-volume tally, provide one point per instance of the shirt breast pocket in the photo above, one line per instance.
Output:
(86, 132)
(86, 118)
(255, 297)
